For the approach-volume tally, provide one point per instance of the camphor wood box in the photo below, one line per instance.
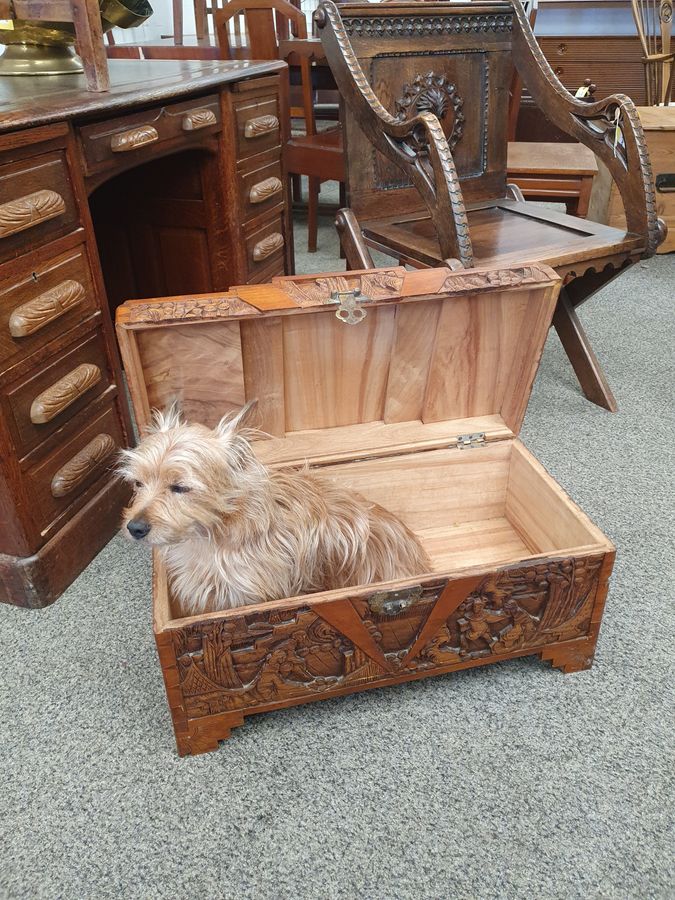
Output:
(417, 406)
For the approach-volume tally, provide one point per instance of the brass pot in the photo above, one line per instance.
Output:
(48, 48)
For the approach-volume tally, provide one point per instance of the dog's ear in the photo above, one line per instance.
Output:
(165, 420)
(234, 422)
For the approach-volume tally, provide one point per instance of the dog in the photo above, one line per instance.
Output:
(233, 532)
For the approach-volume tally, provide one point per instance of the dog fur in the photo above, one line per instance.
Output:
(233, 532)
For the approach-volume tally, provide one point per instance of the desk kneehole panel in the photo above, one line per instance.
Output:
(36, 202)
(42, 403)
(71, 472)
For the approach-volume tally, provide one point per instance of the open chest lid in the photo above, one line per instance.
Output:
(347, 365)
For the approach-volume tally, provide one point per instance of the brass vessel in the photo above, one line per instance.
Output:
(48, 48)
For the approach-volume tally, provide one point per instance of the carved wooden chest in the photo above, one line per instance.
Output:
(410, 387)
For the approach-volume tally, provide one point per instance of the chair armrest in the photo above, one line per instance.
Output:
(417, 146)
(610, 128)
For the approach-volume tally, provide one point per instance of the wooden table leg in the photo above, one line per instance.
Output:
(584, 361)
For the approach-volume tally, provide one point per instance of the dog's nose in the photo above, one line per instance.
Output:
(138, 528)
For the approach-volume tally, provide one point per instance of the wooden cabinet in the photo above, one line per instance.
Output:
(170, 183)
(581, 39)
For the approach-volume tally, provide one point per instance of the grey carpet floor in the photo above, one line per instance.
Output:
(511, 781)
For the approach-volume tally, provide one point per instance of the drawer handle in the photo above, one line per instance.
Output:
(33, 209)
(80, 467)
(199, 118)
(133, 139)
(65, 391)
(261, 125)
(32, 316)
(264, 190)
(267, 246)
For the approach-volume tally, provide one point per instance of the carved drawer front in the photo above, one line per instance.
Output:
(36, 203)
(44, 402)
(261, 190)
(39, 303)
(64, 476)
(265, 247)
(258, 127)
(115, 142)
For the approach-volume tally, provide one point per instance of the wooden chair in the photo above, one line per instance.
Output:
(426, 160)
(318, 155)
(654, 21)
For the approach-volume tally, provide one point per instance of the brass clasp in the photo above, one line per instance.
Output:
(348, 311)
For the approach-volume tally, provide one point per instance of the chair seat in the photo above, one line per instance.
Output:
(318, 155)
(504, 233)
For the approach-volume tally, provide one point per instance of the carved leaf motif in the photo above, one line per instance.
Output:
(133, 139)
(267, 246)
(34, 315)
(260, 125)
(433, 93)
(33, 209)
(198, 118)
(80, 467)
(66, 390)
(263, 190)
(189, 309)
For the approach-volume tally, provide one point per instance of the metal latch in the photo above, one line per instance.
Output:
(348, 311)
(470, 440)
(390, 603)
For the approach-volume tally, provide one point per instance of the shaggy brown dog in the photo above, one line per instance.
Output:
(233, 532)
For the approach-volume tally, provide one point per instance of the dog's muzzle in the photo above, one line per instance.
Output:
(138, 528)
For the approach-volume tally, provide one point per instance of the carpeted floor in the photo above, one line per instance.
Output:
(511, 781)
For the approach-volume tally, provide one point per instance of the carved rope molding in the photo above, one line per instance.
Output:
(198, 118)
(631, 168)
(267, 246)
(61, 394)
(263, 190)
(397, 140)
(70, 476)
(40, 312)
(26, 212)
(134, 139)
(260, 126)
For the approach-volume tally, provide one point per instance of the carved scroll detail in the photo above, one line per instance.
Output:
(267, 246)
(36, 314)
(263, 190)
(260, 126)
(396, 27)
(61, 394)
(79, 468)
(133, 139)
(494, 279)
(28, 211)
(189, 309)
(198, 118)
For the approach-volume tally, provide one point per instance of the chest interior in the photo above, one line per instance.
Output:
(417, 406)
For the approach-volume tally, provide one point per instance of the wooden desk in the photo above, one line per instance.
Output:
(171, 183)
(553, 172)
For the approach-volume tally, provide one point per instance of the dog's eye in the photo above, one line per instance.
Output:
(138, 484)
(179, 489)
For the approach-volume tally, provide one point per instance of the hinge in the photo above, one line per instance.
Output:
(470, 440)
(348, 311)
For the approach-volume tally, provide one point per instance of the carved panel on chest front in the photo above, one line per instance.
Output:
(270, 657)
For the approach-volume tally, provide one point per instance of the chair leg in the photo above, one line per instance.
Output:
(313, 213)
(584, 361)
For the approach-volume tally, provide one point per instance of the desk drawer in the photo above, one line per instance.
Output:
(261, 190)
(111, 143)
(258, 127)
(65, 475)
(36, 203)
(41, 404)
(39, 303)
(265, 247)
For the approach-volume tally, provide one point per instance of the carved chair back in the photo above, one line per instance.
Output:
(260, 24)
(654, 22)
(453, 60)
